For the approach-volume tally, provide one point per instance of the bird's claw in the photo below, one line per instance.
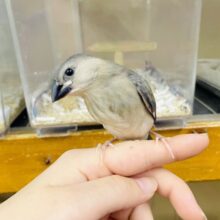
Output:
(164, 140)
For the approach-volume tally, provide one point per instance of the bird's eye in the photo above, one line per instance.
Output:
(69, 72)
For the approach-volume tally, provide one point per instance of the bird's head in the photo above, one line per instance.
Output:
(74, 76)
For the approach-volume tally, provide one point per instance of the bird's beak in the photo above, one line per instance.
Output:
(59, 91)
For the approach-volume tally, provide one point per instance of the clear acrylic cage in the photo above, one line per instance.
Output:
(209, 48)
(2, 118)
(12, 100)
(141, 34)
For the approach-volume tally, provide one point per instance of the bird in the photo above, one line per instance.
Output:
(117, 97)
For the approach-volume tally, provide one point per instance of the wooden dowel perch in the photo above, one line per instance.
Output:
(121, 47)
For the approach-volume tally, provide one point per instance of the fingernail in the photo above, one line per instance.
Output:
(147, 185)
(204, 216)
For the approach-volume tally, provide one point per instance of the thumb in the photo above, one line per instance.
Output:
(113, 193)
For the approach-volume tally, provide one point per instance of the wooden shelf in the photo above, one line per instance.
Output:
(23, 155)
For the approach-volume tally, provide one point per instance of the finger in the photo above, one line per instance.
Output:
(179, 194)
(126, 158)
(141, 212)
(111, 194)
(105, 218)
(122, 215)
(130, 158)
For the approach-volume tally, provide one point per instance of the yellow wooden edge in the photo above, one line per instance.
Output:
(23, 155)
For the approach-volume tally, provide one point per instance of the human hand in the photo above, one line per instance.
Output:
(81, 186)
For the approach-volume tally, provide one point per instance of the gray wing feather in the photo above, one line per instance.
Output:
(144, 91)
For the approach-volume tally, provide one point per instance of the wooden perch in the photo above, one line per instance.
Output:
(118, 48)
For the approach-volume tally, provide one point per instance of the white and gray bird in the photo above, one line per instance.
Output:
(118, 98)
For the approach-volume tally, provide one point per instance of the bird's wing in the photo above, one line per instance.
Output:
(144, 91)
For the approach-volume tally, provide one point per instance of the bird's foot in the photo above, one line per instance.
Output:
(165, 142)
(100, 149)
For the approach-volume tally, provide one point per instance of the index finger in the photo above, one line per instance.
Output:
(132, 157)
(126, 158)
